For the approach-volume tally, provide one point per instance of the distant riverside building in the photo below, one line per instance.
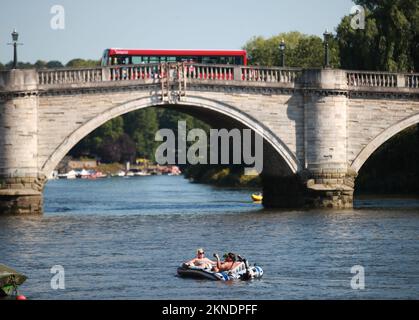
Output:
(68, 164)
(82, 164)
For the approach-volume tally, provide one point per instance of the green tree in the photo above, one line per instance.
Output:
(301, 50)
(92, 145)
(40, 64)
(389, 41)
(127, 147)
(54, 64)
(81, 63)
(142, 126)
(121, 149)
(20, 65)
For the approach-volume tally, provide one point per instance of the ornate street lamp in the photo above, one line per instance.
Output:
(15, 38)
(282, 48)
(326, 35)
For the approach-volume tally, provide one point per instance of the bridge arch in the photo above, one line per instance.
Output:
(379, 140)
(190, 101)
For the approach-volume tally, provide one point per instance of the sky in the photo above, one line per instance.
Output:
(90, 26)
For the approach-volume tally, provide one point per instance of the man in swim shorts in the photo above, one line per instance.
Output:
(201, 261)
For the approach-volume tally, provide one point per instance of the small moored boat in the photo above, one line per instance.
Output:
(9, 281)
(257, 197)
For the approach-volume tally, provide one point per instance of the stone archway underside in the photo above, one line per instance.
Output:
(197, 106)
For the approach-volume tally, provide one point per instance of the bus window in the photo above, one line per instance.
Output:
(137, 60)
(123, 60)
(239, 60)
(183, 59)
(153, 60)
(210, 60)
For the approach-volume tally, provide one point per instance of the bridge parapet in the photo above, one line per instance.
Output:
(157, 71)
(248, 75)
(372, 79)
(412, 81)
(69, 76)
(356, 80)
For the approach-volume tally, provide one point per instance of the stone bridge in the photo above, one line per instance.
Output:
(319, 125)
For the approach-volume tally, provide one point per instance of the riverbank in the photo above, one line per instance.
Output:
(110, 168)
(222, 176)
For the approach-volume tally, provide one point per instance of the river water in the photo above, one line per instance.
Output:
(123, 238)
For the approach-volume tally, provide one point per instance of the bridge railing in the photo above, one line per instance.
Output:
(132, 72)
(412, 81)
(263, 74)
(73, 75)
(209, 72)
(382, 79)
(196, 72)
(371, 79)
(157, 71)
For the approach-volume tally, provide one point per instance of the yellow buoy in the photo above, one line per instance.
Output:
(257, 197)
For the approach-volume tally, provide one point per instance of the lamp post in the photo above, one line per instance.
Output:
(282, 48)
(326, 36)
(15, 38)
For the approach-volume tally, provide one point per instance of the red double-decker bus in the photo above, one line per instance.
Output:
(139, 56)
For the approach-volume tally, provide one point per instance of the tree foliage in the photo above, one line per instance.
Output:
(305, 51)
(390, 40)
(142, 126)
(81, 63)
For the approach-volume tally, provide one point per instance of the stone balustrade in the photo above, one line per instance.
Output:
(197, 72)
(372, 79)
(158, 71)
(133, 72)
(412, 81)
(209, 72)
(382, 79)
(263, 74)
(64, 76)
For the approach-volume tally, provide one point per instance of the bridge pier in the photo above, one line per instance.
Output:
(330, 189)
(330, 184)
(323, 190)
(326, 180)
(21, 185)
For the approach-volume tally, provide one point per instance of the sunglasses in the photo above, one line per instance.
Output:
(201, 252)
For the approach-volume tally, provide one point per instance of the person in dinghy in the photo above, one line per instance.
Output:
(200, 261)
(230, 262)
